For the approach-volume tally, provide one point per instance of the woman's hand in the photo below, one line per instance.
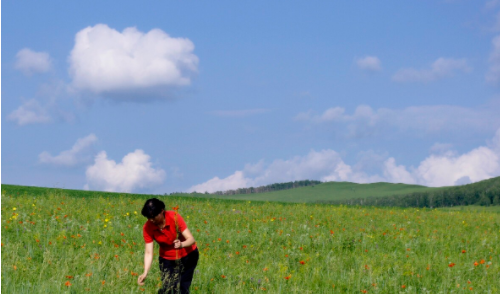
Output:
(141, 279)
(177, 244)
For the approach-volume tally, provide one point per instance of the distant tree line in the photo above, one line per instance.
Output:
(269, 188)
(483, 193)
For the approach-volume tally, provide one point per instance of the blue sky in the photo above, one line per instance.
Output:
(212, 96)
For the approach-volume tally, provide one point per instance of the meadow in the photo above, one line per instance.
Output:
(88, 242)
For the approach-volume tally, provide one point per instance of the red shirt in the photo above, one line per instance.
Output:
(166, 236)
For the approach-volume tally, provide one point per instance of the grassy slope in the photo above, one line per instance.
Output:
(323, 192)
(329, 192)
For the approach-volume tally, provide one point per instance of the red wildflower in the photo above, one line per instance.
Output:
(302, 262)
(67, 284)
(451, 264)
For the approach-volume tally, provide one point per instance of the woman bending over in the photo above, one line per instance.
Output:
(178, 252)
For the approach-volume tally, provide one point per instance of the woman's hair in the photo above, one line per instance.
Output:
(152, 207)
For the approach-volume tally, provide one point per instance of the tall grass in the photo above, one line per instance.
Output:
(56, 243)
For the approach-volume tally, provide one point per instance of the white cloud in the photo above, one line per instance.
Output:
(493, 75)
(325, 165)
(397, 173)
(30, 62)
(369, 63)
(365, 121)
(239, 113)
(450, 168)
(441, 68)
(234, 181)
(436, 170)
(134, 172)
(445, 170)
(79, 153)
(105, 61)
(31, 112)
(47, 106)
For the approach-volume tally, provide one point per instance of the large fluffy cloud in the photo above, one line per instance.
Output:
(30, 62)
(134, 172)
(106, 61)
(366, 121)
(79, 153)
(441, 68)
(442, 169)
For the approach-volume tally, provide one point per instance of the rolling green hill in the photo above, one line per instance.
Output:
(330, 191)
(483, 193)
(325, 192)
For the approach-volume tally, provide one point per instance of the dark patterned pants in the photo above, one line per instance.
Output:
(177, 275)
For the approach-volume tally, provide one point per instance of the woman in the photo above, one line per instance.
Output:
(178, 252)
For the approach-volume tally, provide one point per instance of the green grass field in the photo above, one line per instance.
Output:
(330, 191)
(68, 241)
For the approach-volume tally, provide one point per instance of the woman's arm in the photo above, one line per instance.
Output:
(188, 242)
(148, 259)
